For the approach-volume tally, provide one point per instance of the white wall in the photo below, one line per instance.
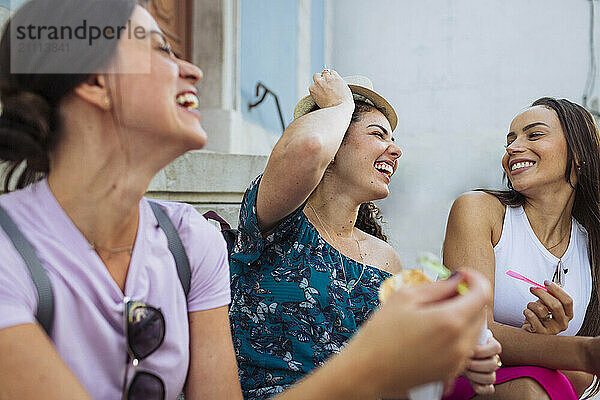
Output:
(457, 71)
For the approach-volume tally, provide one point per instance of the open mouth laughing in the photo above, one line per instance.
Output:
(386, 168)
(518, 166)
(188, 100)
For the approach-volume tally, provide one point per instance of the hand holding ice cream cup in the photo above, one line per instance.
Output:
(415, 277)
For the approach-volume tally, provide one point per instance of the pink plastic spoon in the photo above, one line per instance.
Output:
(516, 275)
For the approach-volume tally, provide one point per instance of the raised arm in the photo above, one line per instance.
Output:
(30, 367)
(307, 146)
(469, 243)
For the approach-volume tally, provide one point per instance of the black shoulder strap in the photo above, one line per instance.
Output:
(175, 246)
(45, 311)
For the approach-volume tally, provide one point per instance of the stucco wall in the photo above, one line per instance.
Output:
(457, 72)
(268, 53)
(208, 181)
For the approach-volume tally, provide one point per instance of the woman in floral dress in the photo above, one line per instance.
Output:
(304, 276)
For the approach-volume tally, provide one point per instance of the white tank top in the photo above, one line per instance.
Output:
(520, 250)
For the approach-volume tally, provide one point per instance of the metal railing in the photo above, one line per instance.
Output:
(266, 90)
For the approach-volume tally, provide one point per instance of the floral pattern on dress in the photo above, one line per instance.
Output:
(290, 308)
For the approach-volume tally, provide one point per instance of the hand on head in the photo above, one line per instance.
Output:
(329, 89)
(423, 334)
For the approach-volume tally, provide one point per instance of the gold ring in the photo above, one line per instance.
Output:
(548, 316)
(498, 361)
(325, 70)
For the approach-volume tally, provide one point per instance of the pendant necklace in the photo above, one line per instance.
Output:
(558, 272)
(362, 260)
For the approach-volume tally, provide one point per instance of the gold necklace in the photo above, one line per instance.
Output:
(558, 272)
(111, 251)
(349, 289)
(560, 241)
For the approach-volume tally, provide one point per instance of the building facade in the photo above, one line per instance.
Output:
(243, 47)
(457, 71)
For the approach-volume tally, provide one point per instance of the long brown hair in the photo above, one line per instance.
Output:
(583, 151)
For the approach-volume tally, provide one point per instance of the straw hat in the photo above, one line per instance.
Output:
(362, 90)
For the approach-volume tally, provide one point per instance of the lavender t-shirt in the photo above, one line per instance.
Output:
(88, 329)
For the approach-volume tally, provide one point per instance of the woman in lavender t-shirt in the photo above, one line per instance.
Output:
(92, 143)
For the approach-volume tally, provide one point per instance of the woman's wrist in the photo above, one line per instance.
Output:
(590, 354)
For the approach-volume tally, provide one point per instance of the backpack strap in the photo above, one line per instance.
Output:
(175, 246)
(216, 217)
(45, 311)
(229, 234)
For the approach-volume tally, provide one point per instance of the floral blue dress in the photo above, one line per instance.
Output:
(290, 308)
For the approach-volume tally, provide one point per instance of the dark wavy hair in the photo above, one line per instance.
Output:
(30, 124)
(369, 220)
(583, 150)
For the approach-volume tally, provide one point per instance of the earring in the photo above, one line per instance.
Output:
(107, 102)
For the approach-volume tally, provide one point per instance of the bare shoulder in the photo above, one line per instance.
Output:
(477, 202)
(473, 229)
(477, 207)
(380, 254)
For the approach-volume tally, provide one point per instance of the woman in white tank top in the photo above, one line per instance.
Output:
(547, 228)
(521, 250)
